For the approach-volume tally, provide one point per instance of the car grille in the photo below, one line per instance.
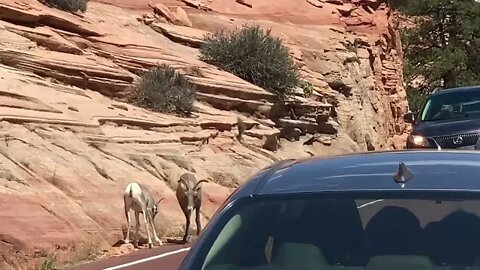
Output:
(448, 141)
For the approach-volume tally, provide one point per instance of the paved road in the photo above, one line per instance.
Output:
(167, 257)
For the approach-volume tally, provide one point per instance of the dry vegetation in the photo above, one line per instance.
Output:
(66, 259)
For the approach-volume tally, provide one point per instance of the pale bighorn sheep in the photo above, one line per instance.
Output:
(139, 199)
(189, 196)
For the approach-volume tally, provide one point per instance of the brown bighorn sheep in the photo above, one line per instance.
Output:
(139, 199)
(189, 196)
(241, 128)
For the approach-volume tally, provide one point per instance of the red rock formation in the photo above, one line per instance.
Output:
(69, 143)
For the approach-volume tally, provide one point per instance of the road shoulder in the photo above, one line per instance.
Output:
(141, 256)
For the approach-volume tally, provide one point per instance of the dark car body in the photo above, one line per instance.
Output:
(436, 175)
(458, 129)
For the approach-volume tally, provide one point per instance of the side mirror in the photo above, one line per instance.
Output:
(409, 117)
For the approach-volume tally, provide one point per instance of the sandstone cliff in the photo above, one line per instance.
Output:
(70, 143)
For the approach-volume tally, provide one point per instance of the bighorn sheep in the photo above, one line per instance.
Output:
(241, 128)
(139, 199)
(189, 196)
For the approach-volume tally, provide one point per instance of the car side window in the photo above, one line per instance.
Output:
(243, 240)
(227, 233)
(277, 234)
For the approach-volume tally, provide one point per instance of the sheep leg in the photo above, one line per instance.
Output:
(137, 228)
(197, 220)
(129, 223)
(187, 226)
(155, 235)
(147, 225)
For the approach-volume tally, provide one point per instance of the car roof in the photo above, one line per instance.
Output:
(455, 90)
(432, 170)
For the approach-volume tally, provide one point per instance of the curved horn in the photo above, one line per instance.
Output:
(161, 199)
(184, 182)
(199, 182)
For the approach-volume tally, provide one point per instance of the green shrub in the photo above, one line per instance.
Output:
(164, 90)
(307, 88)
(48, 264)
(67, 5)
(255, 56)
(415, 99)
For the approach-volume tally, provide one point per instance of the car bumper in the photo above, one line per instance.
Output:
(469, 147)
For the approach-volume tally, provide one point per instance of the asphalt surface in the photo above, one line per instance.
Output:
(167, 257)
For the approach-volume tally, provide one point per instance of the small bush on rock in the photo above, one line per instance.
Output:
(67, 5)
(307, 88)
(47, 264)
(164, 90)
(255, 56)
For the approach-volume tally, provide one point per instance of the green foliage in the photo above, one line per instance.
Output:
(307, 88)
(399, 4)
(164, 90)
(442, 49)
(67, 5)
(48, 264)
(416, 99)
(255, 56)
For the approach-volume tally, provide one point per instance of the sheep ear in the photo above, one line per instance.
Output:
(182, 182)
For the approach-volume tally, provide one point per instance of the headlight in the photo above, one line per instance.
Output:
(418, 140)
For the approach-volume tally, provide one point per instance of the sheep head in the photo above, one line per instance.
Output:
(190, 189)
(155, 208)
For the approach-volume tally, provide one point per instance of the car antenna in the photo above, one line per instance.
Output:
(403, 175)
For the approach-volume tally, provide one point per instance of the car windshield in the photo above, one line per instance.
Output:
(451, 105)
(348, 232)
